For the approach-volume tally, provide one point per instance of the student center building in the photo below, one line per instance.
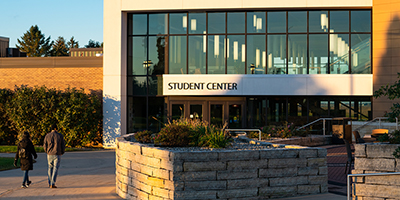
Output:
(247, 63)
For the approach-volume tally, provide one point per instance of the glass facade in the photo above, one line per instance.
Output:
(246, 42)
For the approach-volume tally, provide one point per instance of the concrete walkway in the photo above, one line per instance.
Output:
(82, 175)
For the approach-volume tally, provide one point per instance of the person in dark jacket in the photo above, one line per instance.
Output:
(54, 146)
(26, 146)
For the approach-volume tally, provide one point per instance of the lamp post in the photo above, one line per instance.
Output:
(252, 68)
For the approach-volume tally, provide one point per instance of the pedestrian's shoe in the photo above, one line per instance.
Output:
(23, 186)
(53, 186)
(28, 183)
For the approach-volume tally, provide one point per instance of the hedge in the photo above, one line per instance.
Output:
(77, 114)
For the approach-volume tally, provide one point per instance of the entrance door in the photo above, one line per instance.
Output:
(217, 114)
(235, 116)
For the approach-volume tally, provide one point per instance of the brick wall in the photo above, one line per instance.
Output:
(53, 72)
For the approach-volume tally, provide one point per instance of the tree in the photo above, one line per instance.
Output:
(72, 43)
(392, 92)
(93, 44)
(59, 48)
(34, 43)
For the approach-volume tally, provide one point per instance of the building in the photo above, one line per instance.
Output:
(4, 43)
(246, 62)
(86, 52)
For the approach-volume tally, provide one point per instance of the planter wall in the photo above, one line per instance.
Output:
(144, 172)
(376, 158)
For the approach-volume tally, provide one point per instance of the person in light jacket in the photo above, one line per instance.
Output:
(25, 152)
(54, 146)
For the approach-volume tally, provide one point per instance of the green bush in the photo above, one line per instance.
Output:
(8, 134)
(174, 135)
(216, 139)
(392, 138)
(144, 136)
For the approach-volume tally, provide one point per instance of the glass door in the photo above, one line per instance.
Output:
(196, 111)
(235, 116)
(217, 114)
(177, 111)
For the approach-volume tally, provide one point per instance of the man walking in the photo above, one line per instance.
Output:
(54, 146)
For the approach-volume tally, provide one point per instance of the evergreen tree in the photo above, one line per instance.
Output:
(59, 48)
(34, 43)
(93, 44)
(72, 43)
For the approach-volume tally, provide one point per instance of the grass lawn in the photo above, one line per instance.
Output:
(6, 163)
(13, 149)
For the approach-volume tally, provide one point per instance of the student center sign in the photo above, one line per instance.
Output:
(246, 63)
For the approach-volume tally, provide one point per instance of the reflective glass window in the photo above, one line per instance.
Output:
(276, 54)
(256, 54)
(197, 23)
(157, 117)
(216, 54)
(136, 114)
(137, 85)
(318, 21)
(339, 53)
(338, 21)
(236, 22)
(156, 55)
(256, 22)
(297, 54)
(158, 23)
(155, 85)
(138, 55)
(216, 23)
(178, 23)
(360, 21)
(276, 22)
(297, 21)
(177, 54)
(318, 52)
(178, 111)
(361, 53)
(138, 24)
(236, 49)
(197, 54)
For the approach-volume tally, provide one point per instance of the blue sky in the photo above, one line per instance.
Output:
(82, 19)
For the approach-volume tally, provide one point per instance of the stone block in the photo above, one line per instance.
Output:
(155, 182)
(378, 164)
(278, 191)
(149, 161)
(152, 197)
(242, 174)
(393, 180)
(124, 187)
(137, 176)
(160, 192)
(308, 189)
(155, 152)
(135, 166)
(193, 176)
(381, 150)
(358, 179)
(323, 170)
(194, 156)
(324, 188)
(288, 181)
(251, 164)
(318, 180)
(277, 172)
(135, 148)
(279, 153)
(176, 166)
(239, 155)
(247, 183)
(183, 195)
(287, 162)
(142, 186)
(123, 179)
(124, 163)
(360, 150)
(302, 171)
(174, 185)
(316, 162)
(322, 152)
(155, 172)
(397, 169)
(382, 191)
(308, 153)
(204, 166)
(237, 193)
(205, 185)
(121, 170)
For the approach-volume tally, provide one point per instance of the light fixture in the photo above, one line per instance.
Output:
(252, 68)
(193, 25)
(147, 63)
(184, 21)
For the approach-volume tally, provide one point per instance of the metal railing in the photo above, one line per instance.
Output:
(259, 131)
(313, 122)
(377, 118)
(349, 194)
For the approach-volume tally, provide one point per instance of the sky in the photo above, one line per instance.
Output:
(82, 19)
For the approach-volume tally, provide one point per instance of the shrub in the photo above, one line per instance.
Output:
(392, 138)
(144, 136)
(8, 134)
(174, 135)
(215, 139)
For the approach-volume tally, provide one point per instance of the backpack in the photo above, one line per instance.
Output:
(23, 154)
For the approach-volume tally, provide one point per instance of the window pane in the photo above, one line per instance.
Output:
(361, 21)
(158, 23)
(138, 24)
(276, 22)
(196, 111)
(256, 22)
(216, 52)
(216, 23)
(236, 54)
(235, 116)
(318, 21)
(178, 111)
(157, 55)
(155, 85)
(339, 21)
(137, 85)
(178, 23)
(276, 59)
(339, 53)
(297, 21)
(216, 114)
(318, 52)
(361, 53)
(256, 54)
(236, 22)
(136, 114)
(138, 55)
(157, 118)
(177, 55)
(197, 23)
(197, 54)
(297, 54)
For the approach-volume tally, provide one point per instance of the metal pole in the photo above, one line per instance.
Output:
(348, 188)
(323, 128)
(379, 122)
(397, 121)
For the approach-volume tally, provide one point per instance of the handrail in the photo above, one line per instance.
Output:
(377, 118)
(372, 174)
(315, 121)
(259, 131)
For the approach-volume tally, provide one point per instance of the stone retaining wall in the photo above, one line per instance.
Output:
(376, 158)
(144, 172)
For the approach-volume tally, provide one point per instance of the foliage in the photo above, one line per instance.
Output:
(59, 47)
(144, 136)
(93, 44)
(392, 138)
(72, 43)
(8, 134)
(215, 139)
(174, 135)
(34, 43)
(392, 92)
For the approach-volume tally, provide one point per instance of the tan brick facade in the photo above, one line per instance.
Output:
(53, 72)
